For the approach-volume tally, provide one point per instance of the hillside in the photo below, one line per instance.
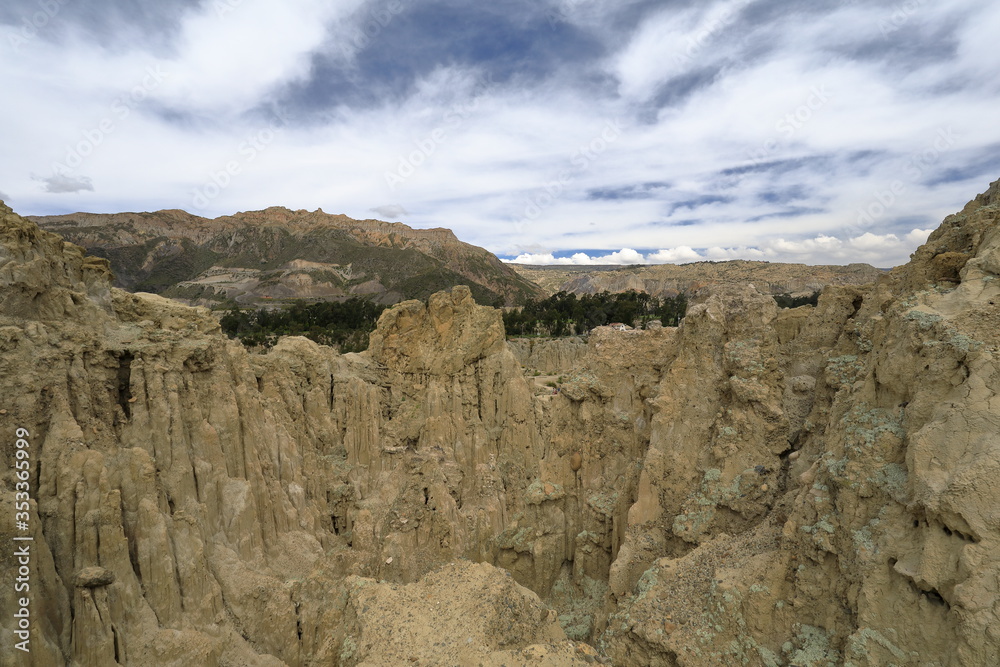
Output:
(259, 256)
(665, 280)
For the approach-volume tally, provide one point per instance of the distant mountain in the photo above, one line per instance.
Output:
(664, 280)
(258, 257)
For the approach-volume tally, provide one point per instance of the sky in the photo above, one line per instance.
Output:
(547, 131)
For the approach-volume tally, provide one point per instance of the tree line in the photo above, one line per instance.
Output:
(566, 314)
(341, 324)
(346, 324)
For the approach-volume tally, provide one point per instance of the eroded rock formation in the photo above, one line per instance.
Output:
(550, 355)
(874, 549)
(755, 487)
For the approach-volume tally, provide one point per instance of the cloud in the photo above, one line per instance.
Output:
(675, 255)
(146, 23)
(869, 241)
(918, 237)
(4, 197)
(881, 250)
(624, 257)
(767, 129)
(672, 45)
(637, 191)
(63, 183)
(390, 212)
(233, 53)
(699, 202)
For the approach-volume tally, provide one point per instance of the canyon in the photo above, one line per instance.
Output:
(758, 486)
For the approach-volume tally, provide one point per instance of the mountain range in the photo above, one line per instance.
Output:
(666, 280)
(276, 255)
(255, 257)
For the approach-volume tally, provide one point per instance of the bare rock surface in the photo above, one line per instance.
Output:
(667, 280)
(549, 355)
(462, 614)
(754, 487)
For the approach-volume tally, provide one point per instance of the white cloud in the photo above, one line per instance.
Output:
(541, 259)
(670, 43)
(674, 255)
(882, 250)
(230, 54)
(869, 241)
(917, 237)
(624, 257)
(721, 254)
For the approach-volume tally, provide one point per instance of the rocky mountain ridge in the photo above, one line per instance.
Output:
(757, 486)
(277, 253)
(667, 280)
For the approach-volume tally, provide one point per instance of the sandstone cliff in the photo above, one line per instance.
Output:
(553, 355)
(761, 487)
(192, 501)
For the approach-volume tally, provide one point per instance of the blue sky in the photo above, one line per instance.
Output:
(573, 131)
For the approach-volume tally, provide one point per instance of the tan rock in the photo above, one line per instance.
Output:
(93, 577)
(460, 614)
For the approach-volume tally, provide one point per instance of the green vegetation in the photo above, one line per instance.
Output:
(786, 300)
(156, 261)
(409, 272)
(156, 265)
(438, 278)
(195, 292)
(565, 314)
(344, 325)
